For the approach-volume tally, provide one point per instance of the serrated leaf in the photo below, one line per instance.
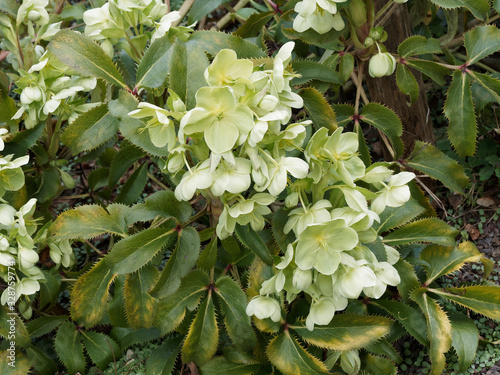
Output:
(98, 178)
(182, 260)
(347, 332)
(116, 306)
(127, 337)
(482, 41)
(201, 8)
(7, 105)
(386, 121)
(50, 289)
(86, 222)
(82, 54)
(201, 341)
(254, 24)
(346, 66)
(155, 64)
(482, 299)
(251, 240)
(23, 140)
(40, 361)
(384, 348)
(459, 109)
(89, 297)
(123, 160)
(344, 113)
(410, 318)
(213, 41)
(10, 7)
(438, 329)
(69, 348)
(90, 130)
(163, 203)
(10, 319)
(208, 256)
(393, 217)
(41, 326)
(409, 279)
(418, 45)
(464, 338)
(21, 365)
(134, 252)
(140, 307)
(431, 69)
(318, 109)
(101, 348)
(373, 364)
(477, 7)
(310, 70)
(162, 359)
(425, 230)
(222, 366)
(233, 306)
(329, 40)
(286, 354)
(50, 183)
(171, 310)
(443, 260)
(433, 162)
(489, 83)
(407, 83)
(133, 188)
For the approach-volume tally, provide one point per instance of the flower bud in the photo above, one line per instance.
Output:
(382, 64)
(264, 307)
(302, 279)
(30, 95)
(33, 15)
(358, 12)
(67, 180)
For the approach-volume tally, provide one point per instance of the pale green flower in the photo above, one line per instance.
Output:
(162, 27)
(301, 217)
(100, 21)
(232, 178)
(320, 313)
(264, 307)
(350, 362)
(319, 246)
(352, 281)
(219, 117)
(320, 15)
(376, 173)
(382, 64)
(395, 193)
(302, 279)
(198, 177)
(2, 132)
(34, 11)
(278, 172)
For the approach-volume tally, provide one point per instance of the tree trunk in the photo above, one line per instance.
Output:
(417, 124)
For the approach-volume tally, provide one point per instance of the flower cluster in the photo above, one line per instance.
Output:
(320, 15)
(50, 87)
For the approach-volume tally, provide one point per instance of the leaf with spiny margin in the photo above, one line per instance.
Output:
(410, 318)
(443, 260)
(438, 329)
(98, 178)
(41, 326)
(89, 296)
(433, 162)
(23, 140)
(86, 222)
(40, 361)
(131, 128)
(22, 364)
(116, 306)
(171, 311)
(154, 66)
(464, 338)
(182, 260)
(384, 348)
(10, 7)
(90, 130)
(459, 109)
(134, 252)
(344, 113)
(409, 279)
(163, 203)
(50, 183)
(82, 54)
(318, 109)
(482, 299)
(208, 256)
(127, 337)
(310, 70)
(491, 84)
(251, 240)
(346, 66)
(133, 188)
(329, 40)
(407, 83)
(7, 104)
(233, 304)
(426, 230)
(481, 42)
(254, 24)
(290, 357)
(222, 366)
(50, 289)
(431, 69)
(22, 338)
(101, 348)
(393, 217)
(213, 41)
(346, 332)
(162, 359)
(69, 348)
(387, 121)
(140, 307)
(201, 341)
(201, 8)
(422, 199)
(418, 45)
(479, 8)
(373, 364)
(122, 161)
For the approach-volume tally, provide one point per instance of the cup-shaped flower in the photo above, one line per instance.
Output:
(278, 172)
(316, 17)
(164, 25)
(33, 10)
(198, 177)
(321, 313)
(232, 178)
(319, 246)
(353, 280)
(350, 362)
(382, 64)
(302, 279)
(99, 19)
(219, 117)
(264, 307)
(395, 193)
(301, 217)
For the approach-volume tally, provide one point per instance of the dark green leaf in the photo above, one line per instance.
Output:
(482, 41)
(208, 256)
(318, 109)
(221, 366)
(425, 230)
(101, 348)
(344, 113)
(40, 361)
(432, 70)
(155, 64)
(41, 326)
(23, 140)
(213, 41)
(162, 360)
(328, 40)
(478, 7)
(254, 24)
(201, 8)
(489, 83)
(464, 338)
(409, 280)
(418, 45)
(132, 189)
(406, 82)
(310, 70)
(393, 217)
(69, 348)
(10, 7)
(50, 183)
(123, 160)
(163, 203)
(373, 364)
(252, 241)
